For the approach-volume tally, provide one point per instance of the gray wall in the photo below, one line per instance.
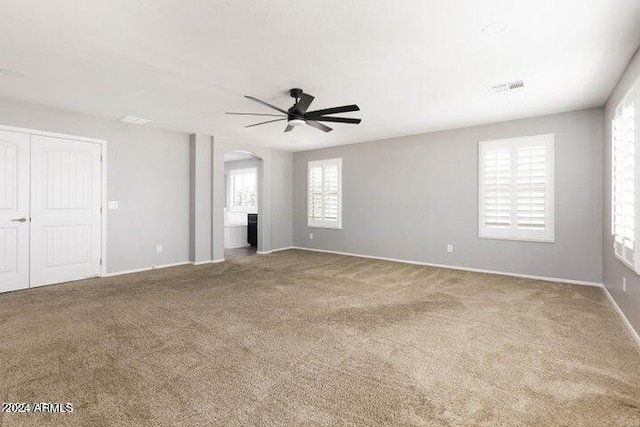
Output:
(200, 197)
(160, 201)
(614, 270)
(282, 200)
(407, 198)
(147, 173)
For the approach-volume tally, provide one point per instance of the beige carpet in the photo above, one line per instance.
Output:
(301, 338)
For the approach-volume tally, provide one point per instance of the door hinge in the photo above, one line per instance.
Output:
(100, 261)
(100, 157)
(100, 209)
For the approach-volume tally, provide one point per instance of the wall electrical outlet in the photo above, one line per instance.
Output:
(450, 248)
(159, 248)
(624, 284)
(311, 236)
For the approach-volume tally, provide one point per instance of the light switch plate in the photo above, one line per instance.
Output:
(112, 205)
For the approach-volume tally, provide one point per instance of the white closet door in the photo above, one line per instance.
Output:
(14, 211)
(65, 210)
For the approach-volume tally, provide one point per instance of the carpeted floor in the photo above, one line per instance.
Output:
(302, 338)
(234, 254)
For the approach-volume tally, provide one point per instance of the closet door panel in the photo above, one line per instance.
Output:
(65, 210)
(14, 211)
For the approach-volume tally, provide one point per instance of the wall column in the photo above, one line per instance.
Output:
(200, 198)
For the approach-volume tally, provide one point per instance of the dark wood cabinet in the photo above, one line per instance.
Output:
(252, 229)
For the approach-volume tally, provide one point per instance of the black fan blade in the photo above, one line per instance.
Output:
(334, 110)
(255, 114)
(264, 123)
(266, 104)
(319, 126)
(288, 128)
(304, 102)
(338, 120)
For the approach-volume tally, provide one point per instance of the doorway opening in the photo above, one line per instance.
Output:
(242, 174)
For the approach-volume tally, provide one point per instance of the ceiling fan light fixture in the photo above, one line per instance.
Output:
(296, 122)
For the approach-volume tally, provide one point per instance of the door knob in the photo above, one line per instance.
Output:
(23, 219)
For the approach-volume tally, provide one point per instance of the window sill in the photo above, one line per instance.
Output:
(626, 263)
(330, 227)
(519, 239)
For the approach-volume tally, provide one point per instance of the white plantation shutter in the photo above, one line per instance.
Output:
(531, 185)
(497, 179)
(624, 204)
(330, 202)
(315, 192)
(516, 188)
(325, 193)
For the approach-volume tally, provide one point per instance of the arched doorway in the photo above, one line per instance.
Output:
(243, 172)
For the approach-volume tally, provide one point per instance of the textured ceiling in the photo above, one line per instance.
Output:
(412, 66)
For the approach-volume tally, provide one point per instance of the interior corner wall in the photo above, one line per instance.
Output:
(614, 270)
(147, 174)
(192, 198)
(408, 198)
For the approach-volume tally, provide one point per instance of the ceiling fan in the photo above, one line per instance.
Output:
(298, 114)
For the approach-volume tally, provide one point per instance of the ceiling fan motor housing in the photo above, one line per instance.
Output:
(294, 112)
(295, 93)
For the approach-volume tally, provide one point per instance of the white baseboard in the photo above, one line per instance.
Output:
(209, 261)
(626, 322)
(274, 250)
(455, 267)
(139, 270)
(238, 247)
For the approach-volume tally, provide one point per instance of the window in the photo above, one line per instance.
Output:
(242, 190)
(325, 193)
(516, 188)
(624, 204)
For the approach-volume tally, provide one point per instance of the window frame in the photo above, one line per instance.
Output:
(231, 206)
(513, 232)
(324, 223)
(632, 95)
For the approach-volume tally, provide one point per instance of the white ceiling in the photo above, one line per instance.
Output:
(412, 66)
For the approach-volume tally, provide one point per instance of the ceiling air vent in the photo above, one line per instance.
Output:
(134, 120)
(516, 85)
(506, 87)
